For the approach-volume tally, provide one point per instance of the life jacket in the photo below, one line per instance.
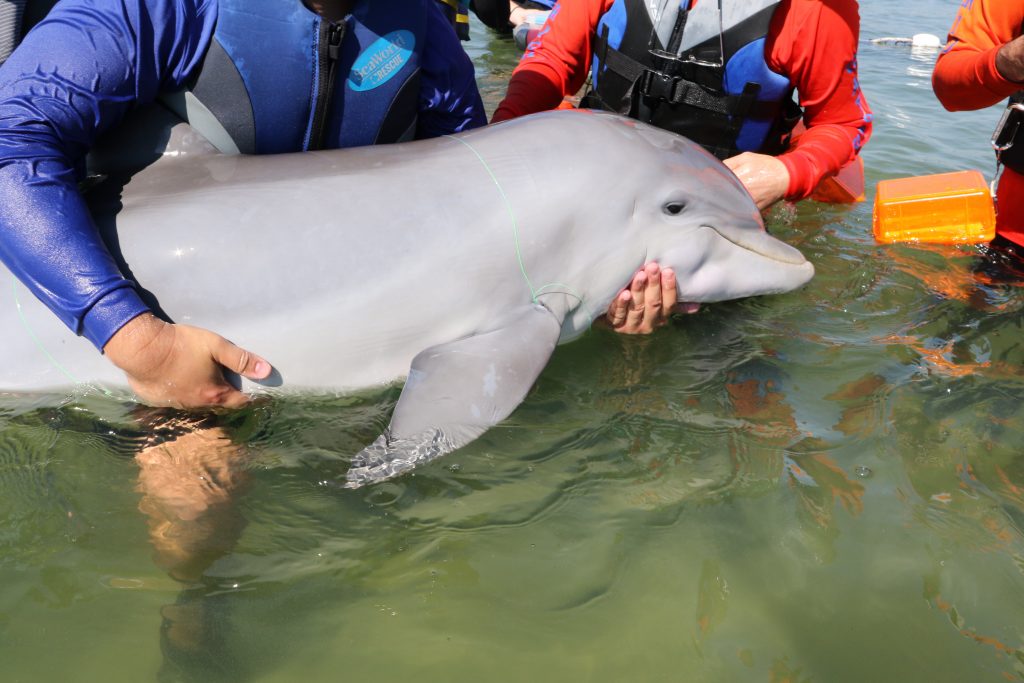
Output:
(699, 72)
(278, 78)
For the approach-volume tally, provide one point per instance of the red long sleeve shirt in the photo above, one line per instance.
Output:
(965, 78)
(811, 42)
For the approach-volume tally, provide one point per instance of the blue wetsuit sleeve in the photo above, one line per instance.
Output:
(449, 99)
(74, 77)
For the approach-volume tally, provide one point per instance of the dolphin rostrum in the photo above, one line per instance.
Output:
(459, 262)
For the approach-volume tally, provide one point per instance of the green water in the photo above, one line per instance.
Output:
(822, 486)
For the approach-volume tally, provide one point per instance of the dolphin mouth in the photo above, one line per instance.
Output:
(686, 307)
(763, 244)
(737, 266)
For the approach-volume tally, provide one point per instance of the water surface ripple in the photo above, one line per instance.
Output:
(822, 486)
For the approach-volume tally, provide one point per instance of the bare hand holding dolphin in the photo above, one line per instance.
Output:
(180, 366)
(647, 303)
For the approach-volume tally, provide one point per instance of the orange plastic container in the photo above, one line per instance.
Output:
(845, 187)
(948, 208)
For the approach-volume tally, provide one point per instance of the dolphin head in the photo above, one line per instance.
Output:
(701, 222)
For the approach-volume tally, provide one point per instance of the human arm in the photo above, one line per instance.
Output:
(815, 45)
(73, 78)
(449, 99)
(555, 64)
(1010, 61)
(983, 61)
(766, 178)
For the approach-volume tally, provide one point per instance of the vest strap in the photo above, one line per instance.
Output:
(664, 87)
(624, 66)
(676, 90)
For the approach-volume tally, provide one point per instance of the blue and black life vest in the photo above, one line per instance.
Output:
(700, 72)
(279, 78)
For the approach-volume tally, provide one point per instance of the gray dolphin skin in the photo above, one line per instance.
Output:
(459, 262)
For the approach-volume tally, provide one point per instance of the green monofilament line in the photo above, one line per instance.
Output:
(39, 344)
(534, 293)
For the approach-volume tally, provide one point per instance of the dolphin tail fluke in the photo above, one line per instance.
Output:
(457, 390)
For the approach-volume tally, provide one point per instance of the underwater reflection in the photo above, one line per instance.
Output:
(191, 473)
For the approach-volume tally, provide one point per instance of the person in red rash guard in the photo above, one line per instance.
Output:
(983, 63)
(811, 45)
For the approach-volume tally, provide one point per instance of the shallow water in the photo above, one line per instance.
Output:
(822, 486)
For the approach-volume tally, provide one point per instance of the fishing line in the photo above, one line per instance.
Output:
(39, 344)
(534, 293)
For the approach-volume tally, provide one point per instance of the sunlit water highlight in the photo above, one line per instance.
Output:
(823, 486)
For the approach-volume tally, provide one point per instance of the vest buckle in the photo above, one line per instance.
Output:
(1008, 139)
(1005, 134)
(657, 85)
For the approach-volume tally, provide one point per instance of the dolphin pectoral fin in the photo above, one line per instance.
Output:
(458, 390)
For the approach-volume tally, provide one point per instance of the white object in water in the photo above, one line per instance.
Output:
(925, 40)
(919, 40)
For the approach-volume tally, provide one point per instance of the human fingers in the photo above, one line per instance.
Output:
(618, 308)
(660, 296)
(668, 289)
(239, 360)
(765, 178)
(652, 296)
(635, 315)
(736, 162)
(670, 296)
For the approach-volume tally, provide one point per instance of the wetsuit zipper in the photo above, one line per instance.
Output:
(328, 51)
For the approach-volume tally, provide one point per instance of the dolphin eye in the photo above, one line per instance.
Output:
(674, 208)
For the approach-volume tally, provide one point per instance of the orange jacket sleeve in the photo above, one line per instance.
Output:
(965, 75)
(814, 43)
(556, 62)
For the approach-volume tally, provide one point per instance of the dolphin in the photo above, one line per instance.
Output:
(458, 262)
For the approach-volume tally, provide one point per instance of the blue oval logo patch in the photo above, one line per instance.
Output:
(382, 60)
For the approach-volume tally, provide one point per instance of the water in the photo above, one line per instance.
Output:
(823, 486)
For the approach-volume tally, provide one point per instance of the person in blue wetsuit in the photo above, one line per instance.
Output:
(255, 76)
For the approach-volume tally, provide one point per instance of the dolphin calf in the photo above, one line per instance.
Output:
(458, 262)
